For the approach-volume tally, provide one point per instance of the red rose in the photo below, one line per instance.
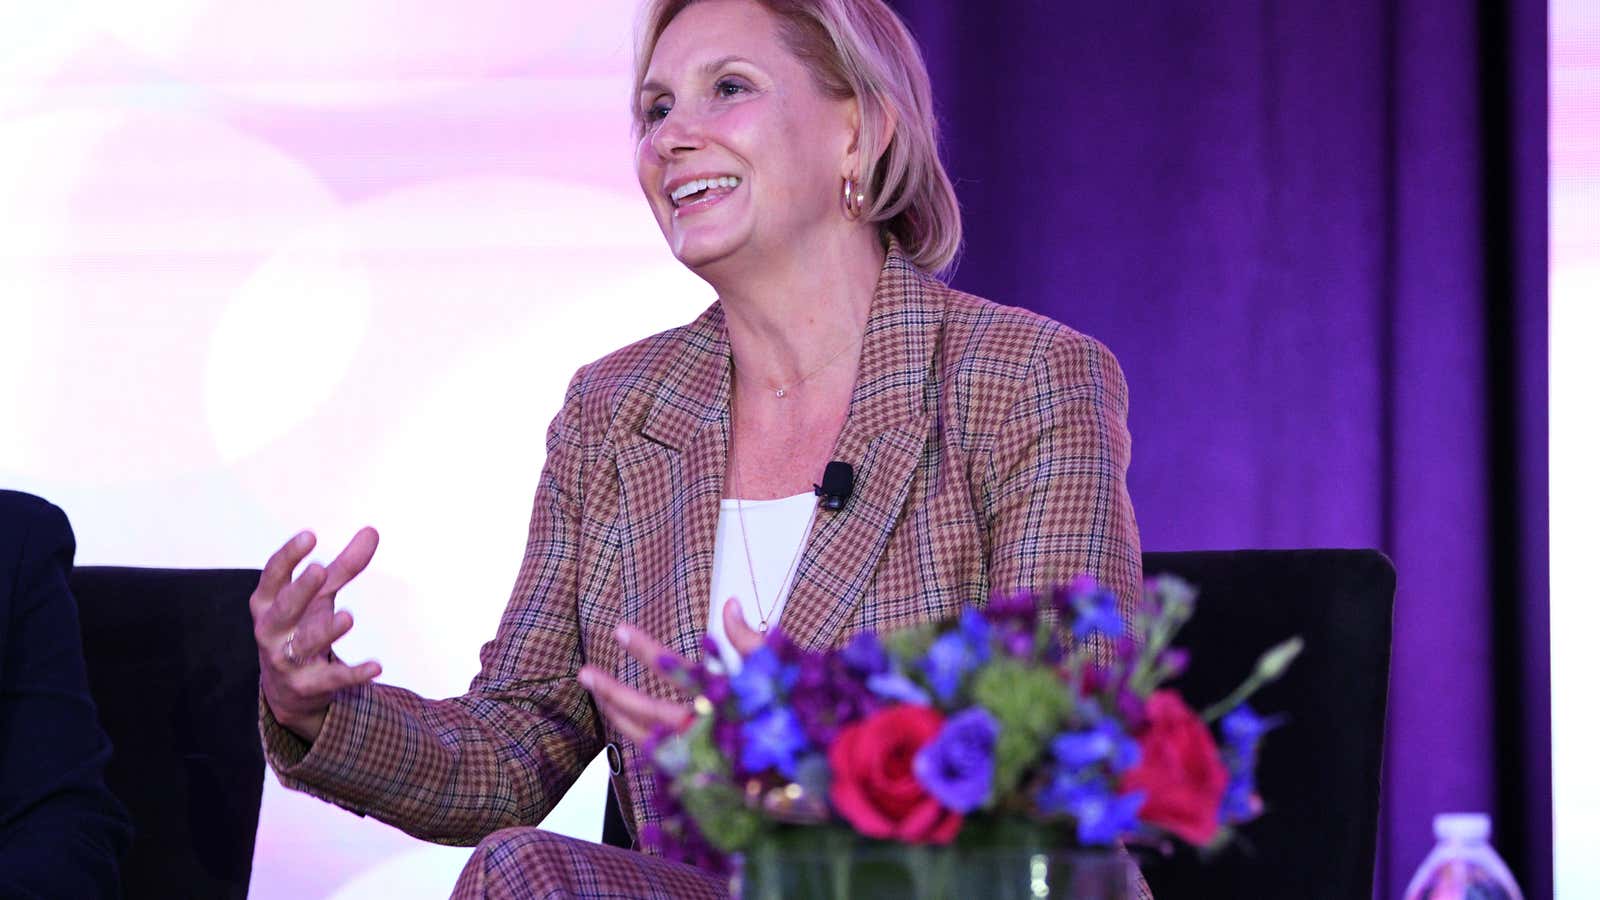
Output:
(1179, 770)
(873, 785)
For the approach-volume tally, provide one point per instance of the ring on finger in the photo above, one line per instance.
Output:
(288, 650)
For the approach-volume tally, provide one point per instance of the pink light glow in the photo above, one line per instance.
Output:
(273, 266)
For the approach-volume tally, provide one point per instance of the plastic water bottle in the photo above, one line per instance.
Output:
(1462, 865)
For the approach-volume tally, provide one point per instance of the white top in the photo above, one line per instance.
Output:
(777, 528)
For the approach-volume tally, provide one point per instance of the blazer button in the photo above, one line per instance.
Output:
(614, 758)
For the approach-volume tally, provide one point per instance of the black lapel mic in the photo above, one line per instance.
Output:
(838, 481)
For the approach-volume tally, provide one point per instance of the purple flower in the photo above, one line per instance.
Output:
(1131, 708)
(1015, 620)
(827, 695)
(762, 680)
(957, 766)
(675, 835)
(715, 688)
(1173, 662)
(1105, 742)
(1020, 610)
(725, 736)
(1102, 817)
(1018, 643)
(773, 740)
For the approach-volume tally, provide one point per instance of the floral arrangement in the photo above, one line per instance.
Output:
(1034, 710)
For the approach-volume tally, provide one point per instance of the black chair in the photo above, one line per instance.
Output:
(172, 667)
(1320, 771)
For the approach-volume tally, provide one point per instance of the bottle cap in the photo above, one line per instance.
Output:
(1461, 827)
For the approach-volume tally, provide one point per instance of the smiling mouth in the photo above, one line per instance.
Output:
(702, 190)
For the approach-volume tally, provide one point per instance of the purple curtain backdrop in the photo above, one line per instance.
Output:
(1314, 234)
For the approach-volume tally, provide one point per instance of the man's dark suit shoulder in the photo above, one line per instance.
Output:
(62, 833)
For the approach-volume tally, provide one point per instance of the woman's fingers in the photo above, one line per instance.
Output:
(649, 651)
(296, 627)
(744, 639)
(301, 696)
(320, 680)
(315, 635)
(278, 570)
(632, 712)
(352, 560)
(285, 612)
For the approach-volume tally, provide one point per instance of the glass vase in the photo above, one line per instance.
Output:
(831, 863)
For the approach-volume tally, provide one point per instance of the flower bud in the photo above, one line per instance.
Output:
(1276, 661)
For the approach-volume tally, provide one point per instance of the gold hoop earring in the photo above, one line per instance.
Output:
(855, 202)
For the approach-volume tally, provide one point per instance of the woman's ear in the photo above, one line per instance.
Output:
(884, 121)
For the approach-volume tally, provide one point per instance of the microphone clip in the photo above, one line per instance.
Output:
(838, 483)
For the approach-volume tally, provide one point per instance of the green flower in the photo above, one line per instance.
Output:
(1031, 703)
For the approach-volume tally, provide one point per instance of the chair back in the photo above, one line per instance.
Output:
(1320, 770)
(172, 667)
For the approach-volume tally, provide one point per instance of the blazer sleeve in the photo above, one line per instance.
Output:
(452, 771)
(1056, 486)
(62, 833)
(1055, 479)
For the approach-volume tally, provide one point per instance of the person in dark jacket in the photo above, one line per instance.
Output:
(62, 833)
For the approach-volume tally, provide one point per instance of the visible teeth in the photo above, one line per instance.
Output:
(701, 184)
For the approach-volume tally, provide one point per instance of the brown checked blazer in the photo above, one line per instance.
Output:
(990, 448)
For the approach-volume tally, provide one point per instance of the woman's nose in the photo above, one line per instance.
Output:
(680, 131)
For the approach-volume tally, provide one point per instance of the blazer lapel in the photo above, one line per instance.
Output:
(671, 476)
(883, 439)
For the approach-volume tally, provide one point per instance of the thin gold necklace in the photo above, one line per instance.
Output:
(744, 534)
(783, 391)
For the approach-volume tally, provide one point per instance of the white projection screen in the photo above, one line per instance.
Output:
(1574, 439)
(266, 266)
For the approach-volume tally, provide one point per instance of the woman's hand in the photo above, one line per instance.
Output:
(296, 625)
(636, 714)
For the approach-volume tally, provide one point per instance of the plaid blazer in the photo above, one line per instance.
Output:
(990, 448)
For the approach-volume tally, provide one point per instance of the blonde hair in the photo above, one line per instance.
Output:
(861, 49)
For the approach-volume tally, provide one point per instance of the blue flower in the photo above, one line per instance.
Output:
(1094, 609)
(1239, 800)
(957, 766)
(893, 685)
(1102, 817)
(773, 740)
(762, 680)
(1106, 741)
(957, 653)
(865, 654)
(1242, 730)
(975, 628)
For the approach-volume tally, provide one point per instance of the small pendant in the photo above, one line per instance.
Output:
(763, 626)
(780, 392)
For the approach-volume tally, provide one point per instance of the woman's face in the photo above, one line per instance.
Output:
(741, 152)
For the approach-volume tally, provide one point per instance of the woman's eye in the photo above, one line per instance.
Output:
(656, 112)
(727, 87)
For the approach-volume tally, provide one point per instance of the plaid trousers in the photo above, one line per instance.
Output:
(990, 447)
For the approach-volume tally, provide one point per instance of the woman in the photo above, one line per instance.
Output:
(788, 152)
